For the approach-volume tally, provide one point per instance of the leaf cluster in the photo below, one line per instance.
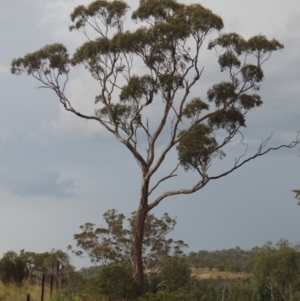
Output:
(236, 49)
(232, 100)
(108, 12)
(50, 57)
(197, 148)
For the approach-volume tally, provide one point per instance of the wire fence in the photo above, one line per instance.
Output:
(54, 277)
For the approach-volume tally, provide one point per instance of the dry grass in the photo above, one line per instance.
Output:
(14, 293)
(214, 273)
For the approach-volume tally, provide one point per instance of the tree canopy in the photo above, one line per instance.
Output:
(15, 268)
(159, 63)
(112, 244)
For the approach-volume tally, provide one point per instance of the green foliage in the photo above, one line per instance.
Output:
(61, 296)
(163, 295)
(115, 282)
(110, 13)
(174, 274)
(240, 291)
(194, 108)
(14, 269)
(197, 148)
(232, 260)
(105, 245)
(90, 272)
(277, 269)
(112, 244)
(50, 57)
(43, 262)
(207, 290)
(159, 10)
(222, 93)
(139, 87)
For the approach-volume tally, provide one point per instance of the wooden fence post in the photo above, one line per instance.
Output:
(57, 275)
(51, 279)
(43, 287)
(62, 275)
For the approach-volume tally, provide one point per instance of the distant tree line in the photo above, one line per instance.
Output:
(273, 275)
(231, 260)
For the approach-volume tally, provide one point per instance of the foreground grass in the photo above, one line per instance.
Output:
(214, 273)
(14, 293)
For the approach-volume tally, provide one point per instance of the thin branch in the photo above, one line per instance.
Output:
(258, 154)
(206, 179)
(171, 175)
(169, 193)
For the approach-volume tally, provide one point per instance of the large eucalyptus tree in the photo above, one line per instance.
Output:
(159, 63)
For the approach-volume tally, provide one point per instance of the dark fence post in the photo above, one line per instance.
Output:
(57, 275)
(43, 287)
(28, 297)
(51, 280)
(62, 275)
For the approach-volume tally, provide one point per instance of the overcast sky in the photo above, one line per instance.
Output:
(58, 172)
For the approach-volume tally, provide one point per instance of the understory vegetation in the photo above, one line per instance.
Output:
(267, 273)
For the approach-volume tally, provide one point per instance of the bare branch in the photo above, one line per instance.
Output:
(169, 193)
(171, 175)
(205, 179)
(258, 154)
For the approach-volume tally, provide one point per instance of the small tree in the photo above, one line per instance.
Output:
(277, 269)
(240, 291)
(115, 282)
(175, 274)
(14, 268)
(166, 46)
(112, 244)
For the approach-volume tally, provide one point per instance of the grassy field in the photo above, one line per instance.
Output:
(14, 293)
(214, 273)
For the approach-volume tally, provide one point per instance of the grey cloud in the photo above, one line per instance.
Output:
(33, 181)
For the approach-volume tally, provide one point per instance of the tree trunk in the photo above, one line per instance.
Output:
(137, 244)
(138, 234)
